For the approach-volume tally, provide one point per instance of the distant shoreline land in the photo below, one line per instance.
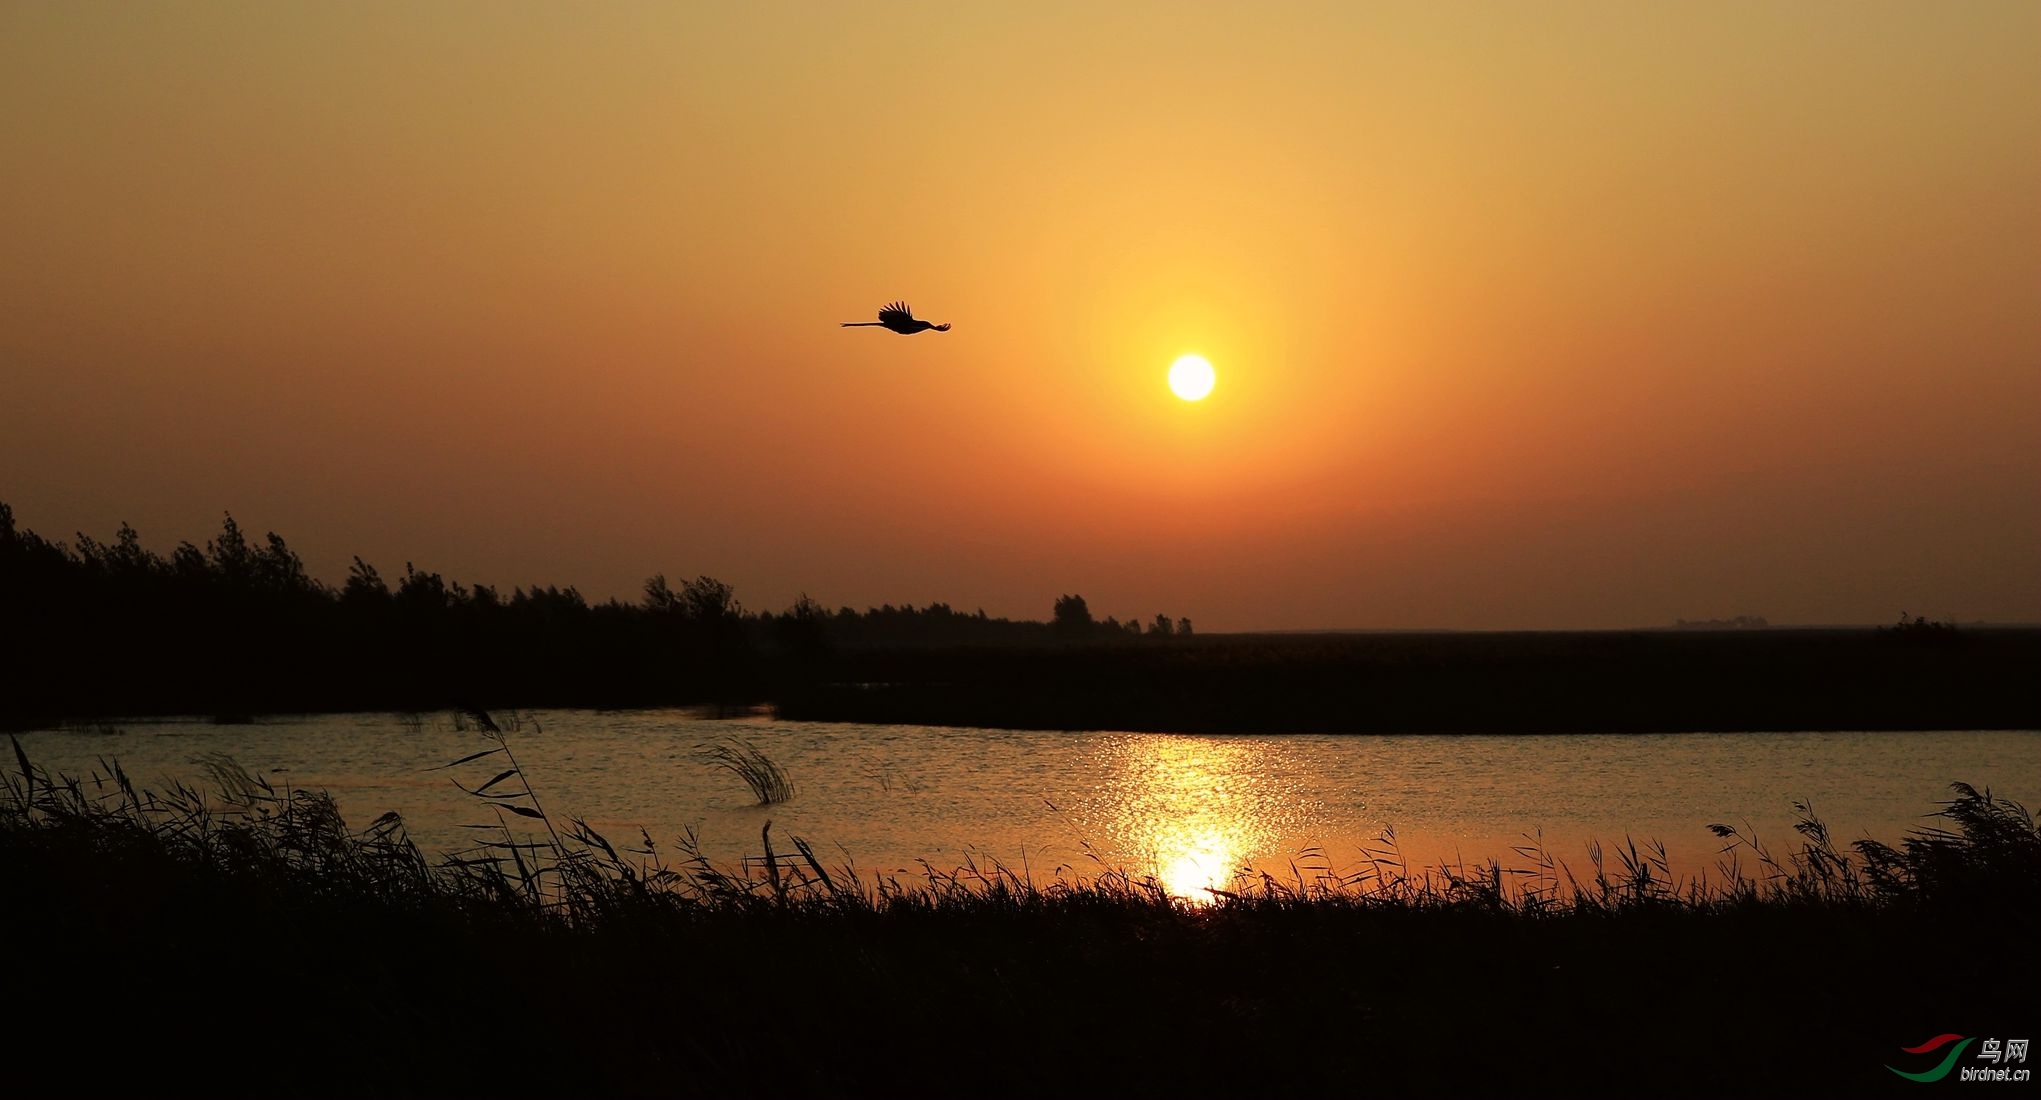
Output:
(98, 630)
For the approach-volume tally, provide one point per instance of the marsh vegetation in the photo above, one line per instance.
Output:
(249, 920)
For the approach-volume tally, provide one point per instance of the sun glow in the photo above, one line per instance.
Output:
(1191, 863)
(1191, 377)
(1192, 814)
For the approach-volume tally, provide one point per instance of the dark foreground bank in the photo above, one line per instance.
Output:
(243, 941)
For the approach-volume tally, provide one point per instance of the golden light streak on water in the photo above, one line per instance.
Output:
(1193, 812)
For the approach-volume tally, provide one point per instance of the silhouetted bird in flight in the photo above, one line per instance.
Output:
(899, 318)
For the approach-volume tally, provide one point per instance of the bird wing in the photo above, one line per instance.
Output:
(895, 311)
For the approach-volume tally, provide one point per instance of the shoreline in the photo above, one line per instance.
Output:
(1611, 682)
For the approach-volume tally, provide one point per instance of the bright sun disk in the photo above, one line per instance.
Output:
(1191, 377)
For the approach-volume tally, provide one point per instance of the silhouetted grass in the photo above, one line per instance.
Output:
(767, 780)
(245, 928)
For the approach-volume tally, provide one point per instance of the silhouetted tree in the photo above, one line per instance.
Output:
(1920, 629)
(1161, 626)
(423, 593)
(708, 600)
(229, 556)
(234, 625)
(802, 632)
(190, 565)
(660, 596)
(364, 586)
(1072, 618)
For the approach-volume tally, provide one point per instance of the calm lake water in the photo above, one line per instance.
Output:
(1190, 809)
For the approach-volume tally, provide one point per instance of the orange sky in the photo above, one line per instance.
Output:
(1524, 315)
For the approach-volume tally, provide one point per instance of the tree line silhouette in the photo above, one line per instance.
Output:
(239, 627)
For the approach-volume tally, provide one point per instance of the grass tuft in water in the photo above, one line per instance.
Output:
(767, 780)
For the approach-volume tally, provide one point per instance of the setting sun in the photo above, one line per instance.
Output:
(1191, 377)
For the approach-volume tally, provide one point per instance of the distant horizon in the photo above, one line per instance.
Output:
(969, 606)
(1974, 625)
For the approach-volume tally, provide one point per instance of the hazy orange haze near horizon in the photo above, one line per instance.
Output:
(1572, 315)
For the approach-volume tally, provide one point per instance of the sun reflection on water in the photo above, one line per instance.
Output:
(1194, 812)
(1204, 862)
